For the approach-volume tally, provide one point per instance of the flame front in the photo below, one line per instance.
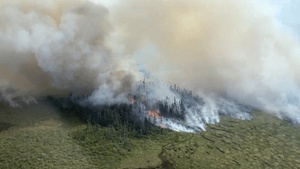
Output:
(154, 114)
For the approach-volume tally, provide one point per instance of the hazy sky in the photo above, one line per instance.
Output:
(288, 11)
(105, 2)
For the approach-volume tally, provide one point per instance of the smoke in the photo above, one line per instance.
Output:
(238, 50)
(56, 47)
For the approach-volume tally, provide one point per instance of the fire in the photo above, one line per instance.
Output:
(154, 114)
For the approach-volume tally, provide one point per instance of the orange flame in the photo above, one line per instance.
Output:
(154, 113)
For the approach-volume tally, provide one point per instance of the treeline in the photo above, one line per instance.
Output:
(133, 116)
(117, 116)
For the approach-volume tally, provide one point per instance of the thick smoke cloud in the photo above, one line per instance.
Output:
(238, 49)
(234, 49)
(56, 47)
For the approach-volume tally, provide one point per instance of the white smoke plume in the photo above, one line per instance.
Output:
(219, 49)
(239, 49)
(56, 47)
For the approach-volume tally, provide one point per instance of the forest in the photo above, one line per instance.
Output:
(141, 114)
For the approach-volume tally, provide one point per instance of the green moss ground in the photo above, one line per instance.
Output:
(264, 142)
(38, 136)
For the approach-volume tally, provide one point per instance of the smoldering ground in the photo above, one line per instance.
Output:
(234, 49)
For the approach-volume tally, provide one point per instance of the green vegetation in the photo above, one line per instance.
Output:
(41, 136)
(264, 142)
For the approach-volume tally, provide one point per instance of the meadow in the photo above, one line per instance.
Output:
(42, 136)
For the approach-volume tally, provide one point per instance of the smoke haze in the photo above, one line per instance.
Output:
(55, 47)
(234, 49)
(238, 49)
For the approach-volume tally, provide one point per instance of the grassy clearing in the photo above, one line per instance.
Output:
(264, 142)
(46, 145)
(39, 137)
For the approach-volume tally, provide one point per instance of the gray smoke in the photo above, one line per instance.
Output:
(219, 49)
(56, 47)
(238, 49)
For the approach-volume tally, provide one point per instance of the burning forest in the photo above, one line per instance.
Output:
(103, 52)
(149, 84)
(180, 110)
